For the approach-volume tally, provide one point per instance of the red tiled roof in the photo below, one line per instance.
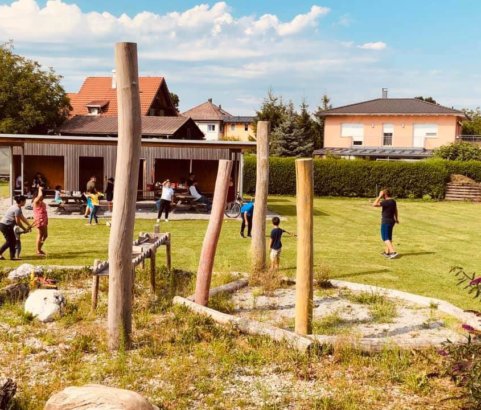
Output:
(100, 89)
(207, 112)
(107, 125)
(395, 106)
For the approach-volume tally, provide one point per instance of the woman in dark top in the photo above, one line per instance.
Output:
(109, 192)
(388, 219)
(13, 217)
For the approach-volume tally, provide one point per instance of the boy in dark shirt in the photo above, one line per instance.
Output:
(388, 220)
(276, 244)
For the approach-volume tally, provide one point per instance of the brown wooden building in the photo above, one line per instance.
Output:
(70, 161)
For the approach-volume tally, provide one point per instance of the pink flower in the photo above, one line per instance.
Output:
(468, 328)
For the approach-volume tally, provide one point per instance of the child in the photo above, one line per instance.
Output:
(40, 218)
(58, 193)
(18, 230)
(165, 200)
(94, 197)
(276, 244)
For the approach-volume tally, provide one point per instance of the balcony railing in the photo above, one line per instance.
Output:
(469, 138)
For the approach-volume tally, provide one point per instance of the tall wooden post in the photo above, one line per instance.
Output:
(126, 178)
(258, 246)
(207, 255)
(305, 249)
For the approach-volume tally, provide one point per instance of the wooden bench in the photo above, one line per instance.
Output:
(145, 246)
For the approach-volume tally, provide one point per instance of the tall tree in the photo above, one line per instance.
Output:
(319, 121)
(31, 98)
(175, 100)
(272, 109)
(288, 137)
(427, 99)
(308, 128)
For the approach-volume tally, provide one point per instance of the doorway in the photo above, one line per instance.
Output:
(89, 167)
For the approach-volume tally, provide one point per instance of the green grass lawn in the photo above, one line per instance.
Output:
(432, 237)
(4, 189)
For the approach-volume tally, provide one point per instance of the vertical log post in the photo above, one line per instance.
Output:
(207, 255)
(304, 275)
(126, 179)
(152, 269)
(95, 286)
(168, 253)
(258, 246)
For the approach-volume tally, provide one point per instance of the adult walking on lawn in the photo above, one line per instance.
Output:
(247, 211)
(165, 200)
(40, 219)
(388, 220)
(13, 217)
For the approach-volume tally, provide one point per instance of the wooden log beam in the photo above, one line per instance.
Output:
(126, 179)
(95, 285)
(207, 256)
(251, 327)
(304, 275)
(168, 253)
(228, 288)
(258, 246)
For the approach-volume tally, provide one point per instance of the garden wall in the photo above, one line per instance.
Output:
(361, 178)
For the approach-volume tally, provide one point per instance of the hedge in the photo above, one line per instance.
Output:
(361, 178)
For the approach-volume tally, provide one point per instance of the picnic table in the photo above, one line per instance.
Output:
(187, 202)
(70, 203)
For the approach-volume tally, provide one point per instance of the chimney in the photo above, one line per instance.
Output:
(114, 79)
(210, 100)
(384, 93)
(220, 107)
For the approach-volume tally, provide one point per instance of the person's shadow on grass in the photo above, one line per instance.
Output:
(402, 255)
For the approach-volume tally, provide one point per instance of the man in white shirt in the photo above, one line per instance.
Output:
(165, 200)
(198, 197)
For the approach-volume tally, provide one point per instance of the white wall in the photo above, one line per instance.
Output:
(210, 135)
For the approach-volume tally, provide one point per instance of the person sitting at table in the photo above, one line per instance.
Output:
(58, 193)
(194, 192)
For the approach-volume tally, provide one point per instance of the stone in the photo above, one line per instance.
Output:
(24, 271)
(45, 304)
(96, 396)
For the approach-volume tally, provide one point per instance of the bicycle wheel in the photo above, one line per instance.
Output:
(232, 210)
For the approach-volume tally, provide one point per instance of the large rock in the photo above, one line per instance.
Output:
(45, 304)
(24, 271)
(96, 396)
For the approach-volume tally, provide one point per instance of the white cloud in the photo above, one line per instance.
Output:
(378, 45)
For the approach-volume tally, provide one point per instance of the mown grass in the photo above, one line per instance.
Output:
(432, 237)
(4, 193)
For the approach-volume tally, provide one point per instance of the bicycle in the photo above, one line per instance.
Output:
(232, 209)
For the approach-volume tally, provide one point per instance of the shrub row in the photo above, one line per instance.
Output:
(333, 177)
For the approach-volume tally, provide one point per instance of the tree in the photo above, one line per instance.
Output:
(319, 121)
(272, 109)
(427, 99)
(459, 151)
(288, 137)
(175, 100)
(31, 99)
(472, 125)
(308, 128)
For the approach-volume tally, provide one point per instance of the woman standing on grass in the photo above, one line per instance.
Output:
(13, 217)
(165, 200)
(109, 193)
(94, 197)
(40, 218)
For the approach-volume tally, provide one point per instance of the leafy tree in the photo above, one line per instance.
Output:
(472, 125)
(308, 128)
(459, 151)
(288, 137)
(31, 99)
(175, 100)
(319, 121)
(427, 99)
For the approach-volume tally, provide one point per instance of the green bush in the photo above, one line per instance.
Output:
(357, 178)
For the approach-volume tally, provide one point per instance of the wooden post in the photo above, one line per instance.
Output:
(207, 255)
(95, 286)
(304, 275)
(152, 270)
(12, 177)
(258, 246)
(168, 253)
(126, 179)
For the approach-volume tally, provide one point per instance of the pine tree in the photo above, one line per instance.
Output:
(289, 138)
(319, 121)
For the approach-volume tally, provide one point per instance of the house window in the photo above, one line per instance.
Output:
(94, 110)
(423, 131)
(353, 131)
(246, 127)
(232, 127)
(210, 127)
(387, 132)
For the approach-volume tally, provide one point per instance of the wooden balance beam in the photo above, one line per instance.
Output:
(145, 246)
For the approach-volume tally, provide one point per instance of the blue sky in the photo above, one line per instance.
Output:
(234, 51)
